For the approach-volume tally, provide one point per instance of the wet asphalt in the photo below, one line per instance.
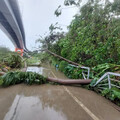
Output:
(54, 102)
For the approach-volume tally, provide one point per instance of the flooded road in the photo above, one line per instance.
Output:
(53, 102)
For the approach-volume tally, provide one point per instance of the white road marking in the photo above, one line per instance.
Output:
(53, 74)
(94, 117)
(82, 105)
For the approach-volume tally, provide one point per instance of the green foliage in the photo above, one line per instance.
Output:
(33, 61)
(101, 69)
(58, 11)
(14, 61)
(4, 49)
(69, 2)
(76, 3)
(93, 36)
(1, 81)
(44, 57)
(93, 40)
(93, 82)
(9, 59)
(62, 65)
(4, 53)
(30, 78)
(72, 72)
(112, 94)
(52, 27)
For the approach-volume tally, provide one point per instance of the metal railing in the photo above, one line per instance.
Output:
(107, 75)
(83, 72)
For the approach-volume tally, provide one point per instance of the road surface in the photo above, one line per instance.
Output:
(54, 102)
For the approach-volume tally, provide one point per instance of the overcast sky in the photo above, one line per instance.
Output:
(37, 16)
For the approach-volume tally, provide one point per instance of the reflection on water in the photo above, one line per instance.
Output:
(31, 108)
(48, 102)
(47, 71)
(37, 104)
(40, 70)
(35, 69)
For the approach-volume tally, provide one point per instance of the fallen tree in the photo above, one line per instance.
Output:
(69, 81)
(61, 58)
(12, 78)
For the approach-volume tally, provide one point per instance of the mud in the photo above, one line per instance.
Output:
(52, 102)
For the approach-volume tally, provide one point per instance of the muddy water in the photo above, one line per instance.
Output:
(50, 102)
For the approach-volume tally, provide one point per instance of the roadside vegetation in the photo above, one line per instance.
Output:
(12, 78)
(93, 40)
(9, 61)
(33, 61)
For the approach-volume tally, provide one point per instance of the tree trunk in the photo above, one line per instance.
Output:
(62, 58)
(69, 81)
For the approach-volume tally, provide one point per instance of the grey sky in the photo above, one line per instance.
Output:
(37, 16)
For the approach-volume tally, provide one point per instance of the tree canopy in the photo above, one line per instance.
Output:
(94, 34)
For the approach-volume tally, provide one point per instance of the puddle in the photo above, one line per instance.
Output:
(47, 71)
(31, 108)
(41, 70)
(48, 102)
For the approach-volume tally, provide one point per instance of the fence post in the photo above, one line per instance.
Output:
(109, 82)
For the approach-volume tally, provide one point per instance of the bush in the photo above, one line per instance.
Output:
(72, 72)
(112, 94)
(14, 61)
(1, 81)
(12, 78)
(62, 65)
